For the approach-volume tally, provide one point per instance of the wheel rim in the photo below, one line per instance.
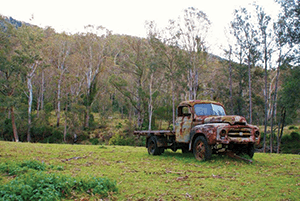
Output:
(200, 151)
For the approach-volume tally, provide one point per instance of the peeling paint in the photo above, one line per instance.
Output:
(222, 132)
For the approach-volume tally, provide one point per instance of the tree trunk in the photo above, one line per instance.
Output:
(190, 83)
(38, 106)
(42, 90)
(139, 118)
(230, 81)
(266, 94)
(173, 106)
(29, 85)
(65, 125)
(274, 104)
(150, 102)
(195, 86)
(87, 116)
(89, 85)
(14, 124)
(250, 90)
(279, 136)
(58, 102)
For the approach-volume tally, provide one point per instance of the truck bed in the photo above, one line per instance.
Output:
(154, 132)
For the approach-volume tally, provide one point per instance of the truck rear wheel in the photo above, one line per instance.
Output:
(152, 147)
(202, 151)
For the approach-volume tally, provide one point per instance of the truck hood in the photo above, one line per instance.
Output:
(231, 119)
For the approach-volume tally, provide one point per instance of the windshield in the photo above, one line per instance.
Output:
(209, 109)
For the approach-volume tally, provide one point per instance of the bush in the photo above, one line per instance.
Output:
(13, 168)
(38, 185)
(43, 186)
(292, 127)
(295, 136)
(36, 165)
(94, 141)
(286, 138)
(290, 143)
(94, 185)
(119, 139)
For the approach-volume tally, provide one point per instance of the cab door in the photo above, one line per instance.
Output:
(183, 124)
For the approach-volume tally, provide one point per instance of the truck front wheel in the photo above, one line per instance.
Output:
(201, 149)
(152, 146)
(250, 150)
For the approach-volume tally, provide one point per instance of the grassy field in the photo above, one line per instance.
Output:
(171, 176)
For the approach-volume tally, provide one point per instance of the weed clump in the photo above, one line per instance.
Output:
(32, 183)
(13, 168)
(42, 186)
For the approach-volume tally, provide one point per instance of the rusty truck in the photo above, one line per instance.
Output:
(202, 127)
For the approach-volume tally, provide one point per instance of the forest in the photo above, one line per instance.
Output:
(66, 88)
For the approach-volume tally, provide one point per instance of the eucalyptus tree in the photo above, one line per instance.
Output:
(29, 56)
(58, 52)
(10, 73)
(265, 39)
(164, 44)
(289, 86)
(92, 46)
(131, 68)
(192, 33)
(291, 21)
(246, 35)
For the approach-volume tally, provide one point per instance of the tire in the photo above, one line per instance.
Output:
(152, 147)
(202, 151)
(250, 150)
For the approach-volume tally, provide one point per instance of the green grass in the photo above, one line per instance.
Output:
(171, 176)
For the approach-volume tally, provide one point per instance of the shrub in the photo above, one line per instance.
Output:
(36, 165)
(42, 186)
(13, 168)
(295, 136)
(37, 186)
(119, 139)
(293, 127)
(119, 125)
(286, 138)
(100, 186)
(94, 141)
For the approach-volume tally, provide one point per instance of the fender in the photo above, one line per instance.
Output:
(209, 131)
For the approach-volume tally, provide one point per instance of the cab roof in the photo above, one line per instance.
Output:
(193, 102)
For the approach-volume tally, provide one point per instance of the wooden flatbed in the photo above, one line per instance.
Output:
(154, 132)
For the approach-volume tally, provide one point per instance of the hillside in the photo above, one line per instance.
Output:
(171, 176)
(65, 88)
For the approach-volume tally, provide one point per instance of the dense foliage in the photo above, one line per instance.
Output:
(53, 85)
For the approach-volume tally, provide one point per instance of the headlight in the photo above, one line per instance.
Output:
(223, 133)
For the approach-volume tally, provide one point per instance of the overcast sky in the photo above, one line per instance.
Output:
(125, 16)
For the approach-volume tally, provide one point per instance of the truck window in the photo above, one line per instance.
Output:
(184, 111)
(209, 109)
